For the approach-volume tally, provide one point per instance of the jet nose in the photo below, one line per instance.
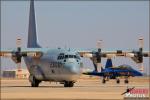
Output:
(137, 73)
(140, 74)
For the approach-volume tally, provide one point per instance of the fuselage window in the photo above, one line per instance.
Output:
(66, 56)
(60, 57)
(78, 57)
(74, 56)
(70, 56)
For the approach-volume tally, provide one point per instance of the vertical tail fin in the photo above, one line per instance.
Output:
(109, 63)
(102, 69)
(32, 38)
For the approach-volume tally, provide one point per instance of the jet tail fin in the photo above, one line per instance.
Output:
(32, 37)
(109, 63)
(102, 68)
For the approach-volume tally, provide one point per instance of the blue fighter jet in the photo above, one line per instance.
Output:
(111, 72)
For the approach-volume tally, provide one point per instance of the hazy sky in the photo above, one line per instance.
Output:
(78, 24)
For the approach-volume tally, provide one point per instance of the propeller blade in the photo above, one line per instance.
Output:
(19, 70)
(99, 45)
(141, 67)
(95, 67)
(99, 67)
(141, 43)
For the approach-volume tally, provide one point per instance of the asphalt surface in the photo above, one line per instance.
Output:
(84, 88)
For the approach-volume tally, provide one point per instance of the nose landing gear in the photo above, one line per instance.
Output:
(117, 80)
(126, 81)
(68, 84)
(34, 81)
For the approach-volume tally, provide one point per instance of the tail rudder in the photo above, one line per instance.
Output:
(102, 68)
(32, 37)
(109, 63)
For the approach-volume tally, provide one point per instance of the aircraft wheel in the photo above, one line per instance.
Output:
(103, 81)
(107, 79)
(69, 84)
(35, 82)
(126, 81)
(118, 81)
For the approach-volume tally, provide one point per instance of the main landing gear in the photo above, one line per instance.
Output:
(105, 79)
(68, 84)
(117, 80)
(126, 81)
(34, 81)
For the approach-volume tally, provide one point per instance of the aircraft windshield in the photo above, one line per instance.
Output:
(125, 67)
(67, 56)
(71, 56)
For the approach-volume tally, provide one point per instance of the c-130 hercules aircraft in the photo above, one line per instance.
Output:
(59, 65)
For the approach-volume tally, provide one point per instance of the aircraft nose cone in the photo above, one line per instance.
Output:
(140, 74)
(137, 73)
(73, 68)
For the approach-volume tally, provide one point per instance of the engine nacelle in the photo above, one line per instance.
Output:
(14, 58)
(88, 55)
(137, 59)
(129, 55)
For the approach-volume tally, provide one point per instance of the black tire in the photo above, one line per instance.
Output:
(35, 82)
(118, 81)
(103, 81)
(69, 84)
(126, 81)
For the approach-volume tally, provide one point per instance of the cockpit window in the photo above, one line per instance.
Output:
(78, 57)
(74, 56)
(67, 56)
(70, 56)
(61, 56)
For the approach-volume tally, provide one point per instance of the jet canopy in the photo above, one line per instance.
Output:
(124, 66)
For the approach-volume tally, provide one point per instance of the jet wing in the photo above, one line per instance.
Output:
(94, 73)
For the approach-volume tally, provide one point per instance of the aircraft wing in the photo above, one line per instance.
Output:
(137, 56)
(94, 73)
(34, 52)
(89, 53)
(17, 54)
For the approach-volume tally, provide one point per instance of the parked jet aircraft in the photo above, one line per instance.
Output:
(60, 65)
(110, 72)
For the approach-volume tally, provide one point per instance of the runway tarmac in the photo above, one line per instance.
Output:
(85, 88)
